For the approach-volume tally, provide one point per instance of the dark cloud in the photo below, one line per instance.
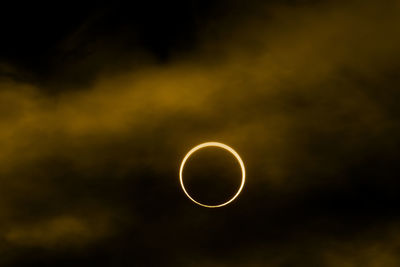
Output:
(305, 91)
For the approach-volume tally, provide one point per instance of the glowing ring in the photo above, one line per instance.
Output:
(216, 144)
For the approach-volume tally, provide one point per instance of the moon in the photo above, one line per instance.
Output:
(219, 145)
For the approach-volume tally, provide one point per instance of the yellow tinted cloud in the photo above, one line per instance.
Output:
(56, 232)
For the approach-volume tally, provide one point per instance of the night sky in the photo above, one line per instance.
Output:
(100, 101)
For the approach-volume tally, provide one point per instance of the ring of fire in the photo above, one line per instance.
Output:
(213, 144)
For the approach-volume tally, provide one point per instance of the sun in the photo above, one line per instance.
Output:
(219, 145)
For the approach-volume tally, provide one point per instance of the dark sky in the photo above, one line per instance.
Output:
(100, 102)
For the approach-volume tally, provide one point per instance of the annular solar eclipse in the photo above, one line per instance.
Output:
(222, 146)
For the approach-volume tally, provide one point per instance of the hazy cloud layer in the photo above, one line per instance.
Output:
(307, 95)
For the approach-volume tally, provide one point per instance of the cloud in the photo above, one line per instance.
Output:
(54, 232)
(305, 96)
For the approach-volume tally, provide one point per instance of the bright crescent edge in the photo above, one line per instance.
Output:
(215, 144)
